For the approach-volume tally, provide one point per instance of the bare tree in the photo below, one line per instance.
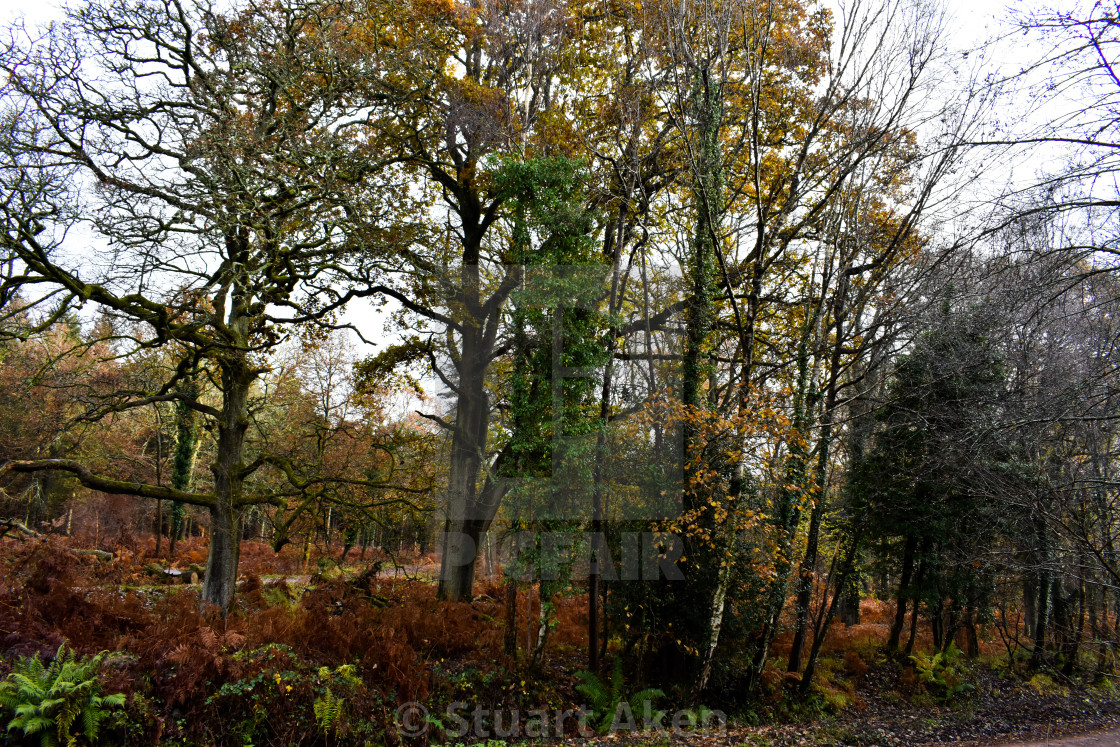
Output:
(194, 173)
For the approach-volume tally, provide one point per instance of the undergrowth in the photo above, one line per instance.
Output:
(357, 651)
(328, 661)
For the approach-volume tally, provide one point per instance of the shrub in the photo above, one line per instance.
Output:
(941, 670)
(855, 666)
(1044, 684)
(50, 702)
(606, 697)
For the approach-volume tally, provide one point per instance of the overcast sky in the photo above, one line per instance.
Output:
(971, 16)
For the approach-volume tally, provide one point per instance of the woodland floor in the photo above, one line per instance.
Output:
(1099, 739)
(1004, 710)
(258, 674)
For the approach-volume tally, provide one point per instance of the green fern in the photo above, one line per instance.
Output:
(329, 707)
(48, 702)
(641, 702)
(328, 710)
(605, 697)
(940, 670)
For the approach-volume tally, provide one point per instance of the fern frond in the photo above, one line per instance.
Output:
(644, 696)
(116, 700)
(616, 682)
(328, 711)
(49, 701)
(593, 688)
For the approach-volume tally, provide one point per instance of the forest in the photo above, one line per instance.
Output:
(441, 372)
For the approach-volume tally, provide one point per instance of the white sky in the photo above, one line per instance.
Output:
(39, 11)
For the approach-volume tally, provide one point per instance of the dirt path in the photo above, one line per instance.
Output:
(1101, 739)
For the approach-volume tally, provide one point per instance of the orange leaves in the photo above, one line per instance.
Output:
(436, 10)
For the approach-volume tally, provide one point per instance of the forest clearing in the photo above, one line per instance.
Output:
(450, 372)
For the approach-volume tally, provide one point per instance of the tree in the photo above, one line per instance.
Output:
(929, 478)
(1069, 94)
(342, 459)
(807, 185)
(214, 153)
(42, 388)
(1061, 331)
(1055, 231)
(186, 448)
(487, 88)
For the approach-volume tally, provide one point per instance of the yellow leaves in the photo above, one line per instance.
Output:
(558, 135)
(434, 9)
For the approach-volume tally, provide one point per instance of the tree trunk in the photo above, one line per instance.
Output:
(937, 626)
(1097, 601)
(460, 554)
(159, 527)
(913, 626)
(788, 511)
(971, 639)
(696, 369)
(1075, 637)
(805, 577)
(511, 617)
(186, 446)
(807, 571)
(1030, 596)
(917, 604)
(221, 563)
(594, 575)
(1042, 616)
(828, 609)
(593, 589)
(716, 624)
(903, 584)
(464, 525)
(225, 517)
(848, 610)
(544, 619)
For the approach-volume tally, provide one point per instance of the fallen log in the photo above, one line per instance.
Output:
(8, 525)
(172, 575)
(99, 554)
